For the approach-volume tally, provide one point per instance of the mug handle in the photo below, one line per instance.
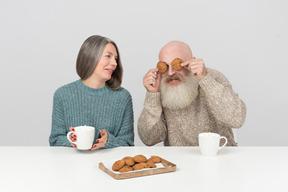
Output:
(222, 137)
(68, 137)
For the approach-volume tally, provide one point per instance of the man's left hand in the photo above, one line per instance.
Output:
(196, 67)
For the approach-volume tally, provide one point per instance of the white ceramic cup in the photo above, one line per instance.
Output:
(209, 143)
(85, 136)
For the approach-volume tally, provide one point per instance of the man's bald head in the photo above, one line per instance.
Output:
(175, 49)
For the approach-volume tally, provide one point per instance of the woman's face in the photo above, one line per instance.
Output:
(107, 63)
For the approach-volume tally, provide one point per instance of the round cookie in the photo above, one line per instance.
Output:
(155, 159)
(140, 159)
(138, 166)
(126, 168)
(129, 161)
(151, 164)
(118, 165)
(145, 165)
(176, 64)
(162, 67)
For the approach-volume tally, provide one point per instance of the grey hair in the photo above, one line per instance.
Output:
(89, 56)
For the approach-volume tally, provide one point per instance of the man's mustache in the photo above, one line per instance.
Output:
(173, 77)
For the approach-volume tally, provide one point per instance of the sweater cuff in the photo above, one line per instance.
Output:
(152, 99)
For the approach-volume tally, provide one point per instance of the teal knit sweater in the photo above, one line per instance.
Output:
(75, 104)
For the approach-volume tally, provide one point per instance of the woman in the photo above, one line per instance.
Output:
(96, 99)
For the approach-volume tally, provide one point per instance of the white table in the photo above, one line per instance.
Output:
(67, 169)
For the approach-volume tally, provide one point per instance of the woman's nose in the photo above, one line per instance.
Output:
(114, 62)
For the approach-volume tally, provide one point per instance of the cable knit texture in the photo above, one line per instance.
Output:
(217, 109)
(75, 104)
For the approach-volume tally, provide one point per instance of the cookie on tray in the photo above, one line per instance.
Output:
(151, 164)
(126, 168)
(140, 159)
(138, 166)
(155, 159)
(118, 165)
(129, 161)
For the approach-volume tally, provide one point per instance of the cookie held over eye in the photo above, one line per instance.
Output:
(162, 67)
(176, 64)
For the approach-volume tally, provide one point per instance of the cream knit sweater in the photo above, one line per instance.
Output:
(217, 109)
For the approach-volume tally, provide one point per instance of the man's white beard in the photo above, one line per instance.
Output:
(181, 95)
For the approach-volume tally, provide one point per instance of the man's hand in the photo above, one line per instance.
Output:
(196, 67)
(151, 80)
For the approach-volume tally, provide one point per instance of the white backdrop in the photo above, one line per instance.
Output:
(246, 40)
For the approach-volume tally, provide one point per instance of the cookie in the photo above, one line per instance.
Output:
(176, 64)
(129, 161)
(140, 159)
(118, 165)
(138, 166)
(162, 67)
(126, 168)
(151, 164)
(155, 159)
(145, 165)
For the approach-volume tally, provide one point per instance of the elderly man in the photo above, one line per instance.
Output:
(181, 104)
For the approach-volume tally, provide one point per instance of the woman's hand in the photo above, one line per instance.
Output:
(73, 137)
(101, 142)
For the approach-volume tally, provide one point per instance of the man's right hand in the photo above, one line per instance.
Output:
(151, 80)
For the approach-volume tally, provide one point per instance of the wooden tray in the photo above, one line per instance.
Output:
(168, 167)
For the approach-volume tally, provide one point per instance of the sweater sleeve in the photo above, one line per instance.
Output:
(125, 135)
(59, 130)
(224, 103)
(151, 123)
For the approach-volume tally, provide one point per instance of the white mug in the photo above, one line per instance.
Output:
(209, 143)
(85, 136)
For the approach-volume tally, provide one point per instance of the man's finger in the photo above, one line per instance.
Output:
(185, 64)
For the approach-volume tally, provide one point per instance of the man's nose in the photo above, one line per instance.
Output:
(171, 71)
